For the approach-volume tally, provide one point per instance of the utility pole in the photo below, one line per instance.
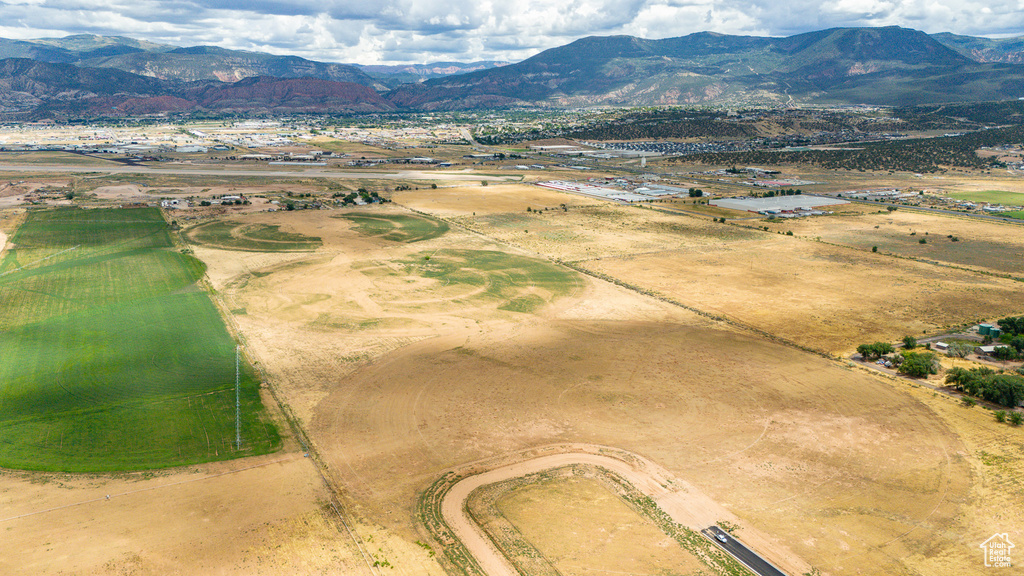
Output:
(238, 403)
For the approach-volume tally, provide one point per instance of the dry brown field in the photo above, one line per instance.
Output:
(263, 515)
(569, 521)
(983, 245)
(403, 360)
(828, 298)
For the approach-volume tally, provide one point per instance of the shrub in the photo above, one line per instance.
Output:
(959, 349)
(909, 342)
(1000, 415)
(1016, 418)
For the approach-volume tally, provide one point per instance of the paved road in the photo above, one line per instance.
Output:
(255, 171)
(745, 555)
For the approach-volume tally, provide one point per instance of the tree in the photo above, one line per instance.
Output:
(1004, 353)
(875, 351)
(918, 364)
(1000, 415)
(909, 342)
(1016, 418)
(959, 349)
(1002, 389)
(1012, 325)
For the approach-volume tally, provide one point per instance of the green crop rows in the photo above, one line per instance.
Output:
(111, 357)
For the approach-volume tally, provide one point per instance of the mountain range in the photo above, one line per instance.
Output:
(884, 66)
(98, 75)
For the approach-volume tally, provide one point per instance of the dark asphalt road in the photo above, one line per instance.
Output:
(745, 555)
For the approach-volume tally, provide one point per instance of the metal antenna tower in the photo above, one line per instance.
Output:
(238, 404)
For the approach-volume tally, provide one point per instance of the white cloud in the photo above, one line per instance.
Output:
(427, 30)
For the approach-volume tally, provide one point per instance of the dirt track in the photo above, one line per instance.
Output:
(680, 500)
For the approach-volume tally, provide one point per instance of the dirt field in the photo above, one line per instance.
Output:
(822, 297)
(260, 516)
(497, 507)
(810, 440)
(980, 244)
(404, 360)
(560, 516)
(828, 298)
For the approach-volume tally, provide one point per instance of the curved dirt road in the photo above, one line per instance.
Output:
(680, 500)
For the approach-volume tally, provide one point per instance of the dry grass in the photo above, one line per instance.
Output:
(396, 382)
(823, 297)
(570, 523)
(984, 245)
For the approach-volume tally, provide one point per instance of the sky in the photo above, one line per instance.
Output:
(421, 31)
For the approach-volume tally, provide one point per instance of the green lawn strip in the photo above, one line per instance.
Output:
(397, 227)
(991, 196)
(116, 360)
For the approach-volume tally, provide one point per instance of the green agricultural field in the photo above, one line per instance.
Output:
(397, 227)
(111, 357)
(228, 235)
(1018, 214)
(991, 196)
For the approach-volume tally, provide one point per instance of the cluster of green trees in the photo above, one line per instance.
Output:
(363, 193)
(875, 351)
(1013, 325)
(985, 383)
(917, 364)
(774, 193)
(696, 192)
(1013, 338)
